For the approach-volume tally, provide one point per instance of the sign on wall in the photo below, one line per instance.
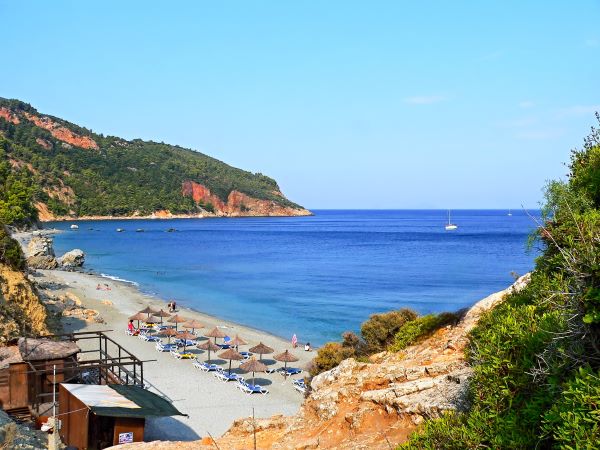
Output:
(126, 438)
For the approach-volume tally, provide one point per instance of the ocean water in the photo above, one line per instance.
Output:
(314, 276)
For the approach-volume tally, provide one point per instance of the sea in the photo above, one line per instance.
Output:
(317, 276)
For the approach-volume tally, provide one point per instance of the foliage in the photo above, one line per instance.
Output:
(10, 251)
(574, 420)
(121, 177)
(330, 356)
(380, 330)
(413, 331)
(536, 356)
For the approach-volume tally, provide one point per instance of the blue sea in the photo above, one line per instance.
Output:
(314, 276)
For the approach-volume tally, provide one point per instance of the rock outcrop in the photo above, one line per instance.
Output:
(238, 203)
(21, 310)
(40, 254)
(15, 436)
(72, 259)
(373, 405)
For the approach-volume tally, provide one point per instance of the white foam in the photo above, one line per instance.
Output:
(111, 277)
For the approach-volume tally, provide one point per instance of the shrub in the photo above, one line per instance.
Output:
(380, 330)
(330, 356)
(420, 328)
(574, 420)
(10, 250)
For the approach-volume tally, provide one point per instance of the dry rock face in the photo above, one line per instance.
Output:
(73, 259)
(372, 405)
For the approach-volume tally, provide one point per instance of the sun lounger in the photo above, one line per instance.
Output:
(246, 355)
(165, 347)
(182, 355)
(251, 388)
(300, 385)
(148, 338)
(224, 346)
(205, 367)
(128, 332)
(226, 376)
(188, 343)
(286, 372)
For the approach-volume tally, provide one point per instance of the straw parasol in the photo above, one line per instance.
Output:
(261, 349)
(216, 333)
(169, 332)
(231, 354)
(193, 324)
(176, 319)
(285, 358)
(208, 346)
(138, 316)
(162, 313)
(253, 365)
(237, 341)
(147, 310)
(184, 336)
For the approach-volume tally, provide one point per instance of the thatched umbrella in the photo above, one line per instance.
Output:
(261, 349)
(253, 365)
(193, 324)
(149, 311)
(185, 336)
(208, 346)
(285, 358)
(176, 319)
(169, 332)
(237, 341)
(138, 316)
(231, 354)
(215, 333)
(160, 314)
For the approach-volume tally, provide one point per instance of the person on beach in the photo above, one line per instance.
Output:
(131, 328)
(294, 341)
(307, 347)
(98, 287)
(174, 306)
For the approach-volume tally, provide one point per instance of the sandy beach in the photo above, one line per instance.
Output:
(212, 405)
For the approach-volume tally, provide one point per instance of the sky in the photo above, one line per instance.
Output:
(347, 104)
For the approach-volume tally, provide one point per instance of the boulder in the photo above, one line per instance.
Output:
(42, 262)
(39, 246)
(72, 260)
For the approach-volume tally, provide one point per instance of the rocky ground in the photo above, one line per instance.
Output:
(373, 405)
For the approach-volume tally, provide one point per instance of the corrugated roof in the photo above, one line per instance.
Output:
(117, 400)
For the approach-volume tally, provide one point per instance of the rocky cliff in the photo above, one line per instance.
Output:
(238, 203)
(89, 175)
(373, 405)
(21, 310)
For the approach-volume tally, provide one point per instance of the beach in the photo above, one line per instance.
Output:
(211, 405)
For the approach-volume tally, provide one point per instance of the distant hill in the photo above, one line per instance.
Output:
(74, 172)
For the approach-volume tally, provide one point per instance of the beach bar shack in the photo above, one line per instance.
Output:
(26, 372)
(99, 416)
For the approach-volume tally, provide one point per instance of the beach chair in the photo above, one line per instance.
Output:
(161, 347)
(247, 388)
(148, 338)
(182, 355)
(128, 332)
(181, 342)
(224, 376)
(300, 385)
(205, 367)
(290, 371)
(246, 355)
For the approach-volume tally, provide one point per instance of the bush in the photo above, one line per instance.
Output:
(10, 251)
(330, 356)
(574, 420)
(380, 330)
(420, 328)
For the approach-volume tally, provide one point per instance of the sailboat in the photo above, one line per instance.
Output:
(509, 213)
(450, 226)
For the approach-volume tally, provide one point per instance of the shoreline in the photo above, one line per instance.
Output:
(212, 405)
(169, 216)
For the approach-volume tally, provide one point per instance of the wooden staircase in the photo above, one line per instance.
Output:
(20, 415)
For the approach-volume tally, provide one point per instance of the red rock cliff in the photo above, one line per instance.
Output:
(238, 203)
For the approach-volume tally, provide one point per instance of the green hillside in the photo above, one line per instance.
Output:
(112, 176)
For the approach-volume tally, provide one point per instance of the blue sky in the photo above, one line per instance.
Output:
(347, 104)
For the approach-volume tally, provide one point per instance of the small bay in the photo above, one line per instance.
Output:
(314, 276)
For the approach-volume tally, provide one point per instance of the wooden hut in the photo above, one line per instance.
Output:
(26, 371)
(99, 416)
